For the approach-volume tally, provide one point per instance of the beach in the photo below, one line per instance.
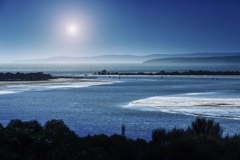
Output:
(50, 81)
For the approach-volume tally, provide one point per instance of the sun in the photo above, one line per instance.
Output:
(72, 29)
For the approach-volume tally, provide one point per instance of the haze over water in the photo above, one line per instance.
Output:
(89, 68)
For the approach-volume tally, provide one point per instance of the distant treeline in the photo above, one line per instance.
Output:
(24, 76)
(202, 140)
(190, 72)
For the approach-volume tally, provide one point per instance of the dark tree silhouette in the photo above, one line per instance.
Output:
(123, 130)
(203, 139)
(201, 126)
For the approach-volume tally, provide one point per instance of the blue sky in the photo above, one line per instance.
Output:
(32, 29)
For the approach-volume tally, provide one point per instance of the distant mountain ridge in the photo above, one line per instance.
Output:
(93, 59)
(121, 58)
(225, 59)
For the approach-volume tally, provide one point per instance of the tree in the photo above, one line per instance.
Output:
(159, 136)
(62, 142)
(24, 140)
(123, 130)
(201, 126)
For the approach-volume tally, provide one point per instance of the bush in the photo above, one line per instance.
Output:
(55, 141)
(201, 126)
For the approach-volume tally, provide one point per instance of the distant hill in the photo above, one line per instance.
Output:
(215, 54)
(120, 58)
(94, 59)
(225, 59)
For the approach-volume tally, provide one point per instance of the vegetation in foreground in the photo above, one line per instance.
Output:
(55, 141)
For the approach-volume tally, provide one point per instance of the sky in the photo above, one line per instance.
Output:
(32, 29)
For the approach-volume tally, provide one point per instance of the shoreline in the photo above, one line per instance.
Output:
(56, 80)
(173, 73)
(68, 80)
(170, 76)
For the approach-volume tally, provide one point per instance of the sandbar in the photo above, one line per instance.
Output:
(57, 80)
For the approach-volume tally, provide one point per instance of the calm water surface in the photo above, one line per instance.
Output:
(104, 108)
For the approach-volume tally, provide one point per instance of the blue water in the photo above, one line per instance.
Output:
(102, 108)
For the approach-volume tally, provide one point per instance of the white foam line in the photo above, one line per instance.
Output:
(186, 102)
(7, 92)
(77, 85)
(49, 86)
(196, 94)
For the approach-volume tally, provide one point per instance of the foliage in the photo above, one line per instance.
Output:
(206, 127)
(123, 130)
(29, 140)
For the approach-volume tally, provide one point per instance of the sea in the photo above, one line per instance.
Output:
(140, 103)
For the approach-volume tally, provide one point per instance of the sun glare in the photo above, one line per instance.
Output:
(72, 29)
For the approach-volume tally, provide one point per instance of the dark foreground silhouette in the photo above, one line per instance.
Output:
(202, 140)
